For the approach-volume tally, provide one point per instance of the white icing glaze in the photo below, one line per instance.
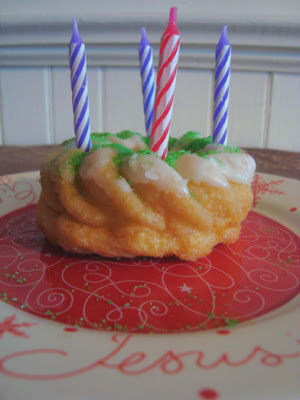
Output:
(236, 167)
(135, 142)
(94, 166)
(198, 169)
(151, 169)
(217, 169)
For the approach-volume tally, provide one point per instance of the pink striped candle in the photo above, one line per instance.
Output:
(165, 87)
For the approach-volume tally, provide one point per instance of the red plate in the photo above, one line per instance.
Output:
(235, 283)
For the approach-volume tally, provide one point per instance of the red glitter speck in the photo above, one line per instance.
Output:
(293, 209)
(223, 332)
(261, 187)
(70, 329)
(208, 394)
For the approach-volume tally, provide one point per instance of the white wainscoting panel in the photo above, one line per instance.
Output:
(35, 95)
(37, 107)
(26, 95)
(192, 105)
(123, 100)
(248, 97)
(1, 116)
(95, 87)
(284, 130)
(62, 104)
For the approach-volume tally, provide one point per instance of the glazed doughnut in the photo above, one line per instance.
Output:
(122, 200)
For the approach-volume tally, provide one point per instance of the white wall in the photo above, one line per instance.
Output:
(35, 103)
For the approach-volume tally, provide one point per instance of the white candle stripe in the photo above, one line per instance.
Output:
(84, 93)
(225, 70)
(165, 94)
(78, 58)
(166, 97)
(162, 126)
(222, 80)
(79, 90)
(222, 92)
(172, 42)
(171, 66)
(78, 84)
(218, 82)
(145, 53)
(146, 72)
(83, 122)
(222, 112)
(222, 55)
(148, 90)
(81, 102)
(148, 87)
(222, 131)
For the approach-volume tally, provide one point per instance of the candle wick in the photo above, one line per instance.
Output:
(173, 16)
(75, 36)
(224, 39)
(144, 41)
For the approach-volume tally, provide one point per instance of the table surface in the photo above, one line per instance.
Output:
(15, 159)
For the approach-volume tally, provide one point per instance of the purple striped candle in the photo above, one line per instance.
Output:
(79, 90)
(147, 75)
(221, 97)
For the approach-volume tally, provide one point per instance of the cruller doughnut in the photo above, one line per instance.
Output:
(122, 200)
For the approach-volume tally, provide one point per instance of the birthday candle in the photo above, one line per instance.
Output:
(79, 90)
(165, 87)
(147, 75)
(221, 96)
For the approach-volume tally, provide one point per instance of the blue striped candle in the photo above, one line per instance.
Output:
(79, 90)
(147, 75)
(221, 97)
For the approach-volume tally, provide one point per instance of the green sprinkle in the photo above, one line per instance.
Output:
(174, 156)
(211, 315)
(75, 160)
(172, 142)
(5, 297)
(126, 134)
(229, 322)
